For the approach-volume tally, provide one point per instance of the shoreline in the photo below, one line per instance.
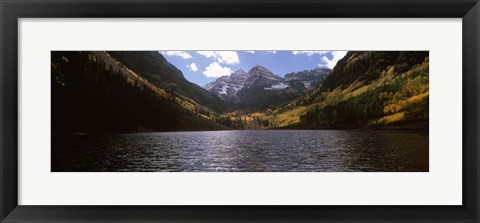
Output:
(395, 128)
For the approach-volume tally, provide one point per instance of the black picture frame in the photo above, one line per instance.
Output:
(11, 11)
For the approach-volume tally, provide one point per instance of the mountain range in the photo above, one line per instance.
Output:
(130, 91)
(260, 88)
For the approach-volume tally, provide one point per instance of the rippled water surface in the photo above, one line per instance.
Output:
(251, 151)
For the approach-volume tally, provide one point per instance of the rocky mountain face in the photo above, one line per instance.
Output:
(309, 78)
(261, 88)
(228, 86)
(261, 77)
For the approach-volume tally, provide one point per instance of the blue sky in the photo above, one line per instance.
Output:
(202, 67)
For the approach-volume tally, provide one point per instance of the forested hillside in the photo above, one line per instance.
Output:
(93, 92)
(365, 89)
(153, 67)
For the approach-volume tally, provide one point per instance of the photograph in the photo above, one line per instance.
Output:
(239, 111)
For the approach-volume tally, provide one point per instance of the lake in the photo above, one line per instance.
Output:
(243, 150)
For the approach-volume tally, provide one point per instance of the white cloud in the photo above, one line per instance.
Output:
(252, 52)
(325, 61)
(181, 54)
(309, 53)
(216, 70)
(228, 57)
(272, 51)
(225, 57)
(193, 67)
(330, 63)
(207, 54)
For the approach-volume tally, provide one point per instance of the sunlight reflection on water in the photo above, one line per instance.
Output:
(250, 151)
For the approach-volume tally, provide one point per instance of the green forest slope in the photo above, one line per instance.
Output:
(365, 90)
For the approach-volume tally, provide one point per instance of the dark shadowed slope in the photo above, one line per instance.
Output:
(152, 66)
(91, 92)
